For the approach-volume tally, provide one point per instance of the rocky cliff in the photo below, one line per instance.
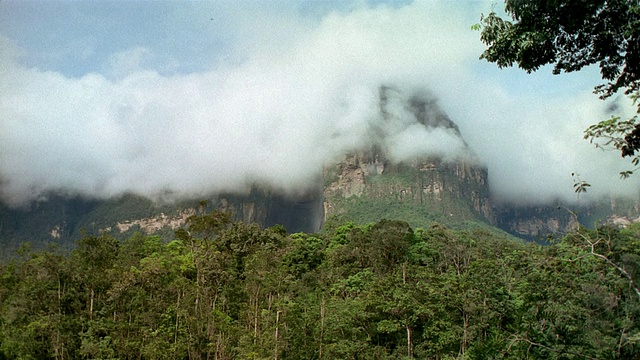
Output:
(370, 184)
(63, 220)
(365, 187)
(376, 181)
(538, 222)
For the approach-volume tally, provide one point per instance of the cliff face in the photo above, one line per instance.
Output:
(299, 213)
(64, 220)
(371, 183)
(365, 188)
(537, 222)
(534, 222)
(296, 213)
(367, 185)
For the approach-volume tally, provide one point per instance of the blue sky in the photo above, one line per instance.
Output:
(106, 97)
(75, 37)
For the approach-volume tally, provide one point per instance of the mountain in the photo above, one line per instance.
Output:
(449, 188)
(63, 220)
(425, 182)
(364, 189)
(536, 223)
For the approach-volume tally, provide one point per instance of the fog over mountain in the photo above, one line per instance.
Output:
(286, 91)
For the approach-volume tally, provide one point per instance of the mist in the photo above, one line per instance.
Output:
(274, 108)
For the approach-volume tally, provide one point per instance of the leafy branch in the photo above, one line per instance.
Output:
(579, 185)
(617, 134)
(591, 244)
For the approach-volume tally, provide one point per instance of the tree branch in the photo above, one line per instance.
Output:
(516, 338)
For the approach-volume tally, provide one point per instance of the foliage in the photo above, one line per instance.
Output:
(379, 291)
(618, 134)
(572, 35)
(579, 185)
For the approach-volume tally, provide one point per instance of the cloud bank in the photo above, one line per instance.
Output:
(274, 110)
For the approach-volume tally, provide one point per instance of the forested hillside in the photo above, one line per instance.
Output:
(227, 290)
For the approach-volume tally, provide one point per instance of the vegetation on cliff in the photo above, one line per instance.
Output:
(228, 290)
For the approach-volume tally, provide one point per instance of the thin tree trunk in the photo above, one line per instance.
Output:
(404, 273)
(61, 351)
(54, 343)
(321, 326)
(409, 340)
(59, 296)
(465, 319)
(275, 357)
(255, 316)
(91, 304)
(175, 336)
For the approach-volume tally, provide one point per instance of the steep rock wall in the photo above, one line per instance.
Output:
(364, 187)
(372, 183)
(301, 212)
(537, 222)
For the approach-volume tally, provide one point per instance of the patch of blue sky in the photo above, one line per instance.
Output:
(79, 37)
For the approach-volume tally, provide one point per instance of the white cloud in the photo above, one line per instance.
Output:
(283, 106)
(129, 61)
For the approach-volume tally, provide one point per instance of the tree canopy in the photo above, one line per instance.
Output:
(224, 290)
(572, 34)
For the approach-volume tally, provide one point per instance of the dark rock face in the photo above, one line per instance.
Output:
(534, 223)
(56, 219)
(425, 109)
(63, 221)
(296, 213)
(303, 214)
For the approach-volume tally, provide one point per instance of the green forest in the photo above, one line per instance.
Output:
(227, 290)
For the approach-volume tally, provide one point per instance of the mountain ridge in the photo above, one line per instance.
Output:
(449, 186)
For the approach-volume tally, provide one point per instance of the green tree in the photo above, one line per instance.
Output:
(572, 34)
(379, 291)
(39, 295)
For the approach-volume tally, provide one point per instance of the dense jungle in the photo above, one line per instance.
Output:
(227, 290)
